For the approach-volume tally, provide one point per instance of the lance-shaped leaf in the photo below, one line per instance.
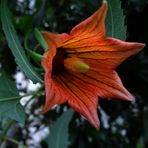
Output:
(9, 100)
(15, 45)
(59, 132)
(115, 22)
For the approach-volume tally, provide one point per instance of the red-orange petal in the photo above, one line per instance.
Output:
(83, 98)
(88, 32)
(48, 57)
(58, 39)
(109, 54)
(55, 94)
(104, 44)
(92, 25)
(107, 84)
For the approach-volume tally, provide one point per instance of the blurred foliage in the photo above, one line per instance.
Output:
(59, 132)
(114, 16)
(9, 100)
(123, 125)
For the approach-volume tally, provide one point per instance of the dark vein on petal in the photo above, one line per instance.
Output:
(83, 92)
(97, 85)
(101, 81)
(104, 75)
(75, 95)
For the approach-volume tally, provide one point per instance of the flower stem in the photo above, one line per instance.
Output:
(33, 95)
(36, 56)
(19, 97)
(40, 39)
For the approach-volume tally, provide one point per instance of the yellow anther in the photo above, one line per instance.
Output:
(76, 64)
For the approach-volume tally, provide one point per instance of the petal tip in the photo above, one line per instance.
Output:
(98, 129)
(97, 126)
(96, 123)
(131, 98)
(140, 45)
(45, 109)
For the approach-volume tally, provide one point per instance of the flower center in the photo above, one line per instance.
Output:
(62, 61)
(76, 64)
(58, 61)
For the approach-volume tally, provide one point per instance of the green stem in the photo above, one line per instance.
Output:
(37, 57)
(35, 94)
(12, 98)
(10, 122)
(19, 97)
(36, 47)
(40, 39)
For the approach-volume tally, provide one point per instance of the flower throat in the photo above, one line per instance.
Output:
(58, 61)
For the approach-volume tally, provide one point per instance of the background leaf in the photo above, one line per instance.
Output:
(115, 20)
(9, 100)
(59, 132)
(15, 45)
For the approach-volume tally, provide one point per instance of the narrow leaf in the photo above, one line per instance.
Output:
(59, 132)
(15, 45)
(9, 100)
(115, 22)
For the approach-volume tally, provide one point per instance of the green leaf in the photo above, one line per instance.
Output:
(15, 45)
(115, 20)
(59, 132)
(9, 100)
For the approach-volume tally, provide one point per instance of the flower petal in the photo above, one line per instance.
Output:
(58, 39)
(107, 84)
(92, 25)
(55, 94)
(48, 57)
(107, 44)
(82, 98)
(110, 53)
(92, 28)
(77, 44)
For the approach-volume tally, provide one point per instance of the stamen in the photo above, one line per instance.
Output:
(76, 64)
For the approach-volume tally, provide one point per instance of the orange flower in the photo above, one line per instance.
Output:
(79, 67)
